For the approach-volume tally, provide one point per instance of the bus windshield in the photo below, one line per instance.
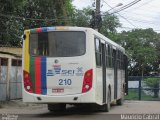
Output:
(58, 43)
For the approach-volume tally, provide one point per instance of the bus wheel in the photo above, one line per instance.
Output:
(56, 107)
(107, 107)
(121, 100)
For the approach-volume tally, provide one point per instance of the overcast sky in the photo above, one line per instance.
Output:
(144, 14)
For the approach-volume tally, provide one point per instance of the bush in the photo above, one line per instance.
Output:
(154, 83)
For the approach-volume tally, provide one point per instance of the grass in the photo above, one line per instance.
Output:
(133, 94)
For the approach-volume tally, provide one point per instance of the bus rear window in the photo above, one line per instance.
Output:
(58, 43)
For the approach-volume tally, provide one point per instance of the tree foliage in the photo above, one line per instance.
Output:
(83, 18)
(154, 83)
(17, 15)
(142, 49)
(10, 27)
(46, 12)
(109, 24)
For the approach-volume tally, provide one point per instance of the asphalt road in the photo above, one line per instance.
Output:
(148, 110)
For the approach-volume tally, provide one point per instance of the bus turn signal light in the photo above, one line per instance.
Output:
(87, 81)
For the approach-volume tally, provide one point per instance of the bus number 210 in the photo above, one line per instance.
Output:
(65, 81)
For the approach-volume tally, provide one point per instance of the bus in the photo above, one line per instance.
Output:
(72, 65)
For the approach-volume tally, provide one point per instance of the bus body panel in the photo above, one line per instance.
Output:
(119, 75)
(110, 81)
(99, 95)
(80, 98)
(64, 76)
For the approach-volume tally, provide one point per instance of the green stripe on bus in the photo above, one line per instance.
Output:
(32, 72)
(33, 30)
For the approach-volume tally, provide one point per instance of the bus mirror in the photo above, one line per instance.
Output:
(24, 37)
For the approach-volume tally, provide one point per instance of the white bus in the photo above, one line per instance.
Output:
(72, 65)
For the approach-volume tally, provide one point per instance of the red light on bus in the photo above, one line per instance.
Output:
(27, 82)
(38, 30)
(87, 81)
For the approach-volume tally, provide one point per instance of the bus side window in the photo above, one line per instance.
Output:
(107, 56)
(114, 58)
(118, 59)
(111, 57)
(121, 61)
(98, 52)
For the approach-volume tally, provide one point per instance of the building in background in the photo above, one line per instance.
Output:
(10, 73)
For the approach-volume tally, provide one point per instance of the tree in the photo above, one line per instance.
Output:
(154, 84)
(109, 24)
(9, 30)
(46, 13)
(17, 15)
(141, 47)
(81, 18)
(84, 18)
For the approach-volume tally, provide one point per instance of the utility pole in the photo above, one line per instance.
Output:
(97, 15)
(98, 3)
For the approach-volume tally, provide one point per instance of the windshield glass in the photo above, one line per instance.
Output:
(57, 43)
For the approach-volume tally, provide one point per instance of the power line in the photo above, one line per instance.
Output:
(142, 5)
(35, 19)
(148, 10)
(127, 27)
(120, 15)
(156, 30)
(138, 14)
(127, 6)
(143, 21)
(127, 20)
(136, 28)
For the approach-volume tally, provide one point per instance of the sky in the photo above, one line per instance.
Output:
(144, 14)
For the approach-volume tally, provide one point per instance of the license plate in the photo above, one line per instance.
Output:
(58, 90)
